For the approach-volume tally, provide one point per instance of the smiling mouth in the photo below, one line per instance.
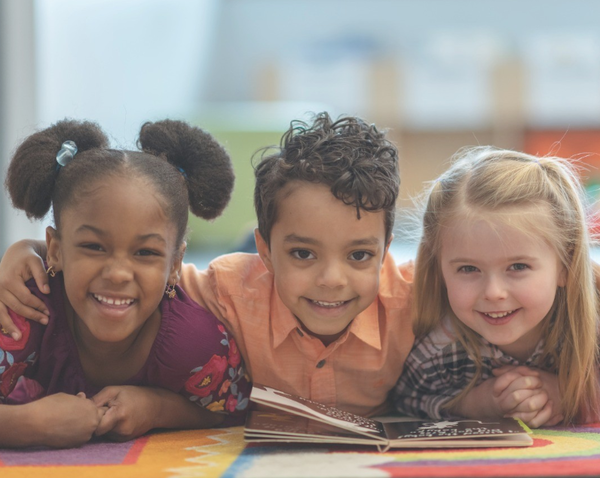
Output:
(112, 301)
(498, 315)
(328, 305)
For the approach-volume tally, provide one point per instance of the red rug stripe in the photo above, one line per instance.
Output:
(136, 450)
(575, 467)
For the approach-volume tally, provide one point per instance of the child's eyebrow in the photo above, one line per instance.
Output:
(508, 259)
(367, 241)
(302, 239)
(100, 232)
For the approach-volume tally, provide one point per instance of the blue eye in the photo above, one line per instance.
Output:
(467, 269)
(302, 254)
(519, 267)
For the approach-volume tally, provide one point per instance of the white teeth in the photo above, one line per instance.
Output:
(111, 301)
(498, 315)
(328, 304)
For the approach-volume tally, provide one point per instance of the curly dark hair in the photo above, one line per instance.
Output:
(350, 156)
(188, 168)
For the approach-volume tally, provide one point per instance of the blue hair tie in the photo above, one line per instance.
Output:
(182, 172)
(67, 152)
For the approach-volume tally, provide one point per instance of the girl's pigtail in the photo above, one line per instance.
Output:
(204, 163)
(33, 169)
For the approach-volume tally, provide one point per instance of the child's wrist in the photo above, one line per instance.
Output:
(23, 423)
(472, 405)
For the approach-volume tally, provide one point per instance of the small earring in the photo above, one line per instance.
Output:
(170, 291)
(50, 271)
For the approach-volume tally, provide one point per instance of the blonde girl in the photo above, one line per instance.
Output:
(506, 314)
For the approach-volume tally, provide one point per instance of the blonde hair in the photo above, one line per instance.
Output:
(487, 181)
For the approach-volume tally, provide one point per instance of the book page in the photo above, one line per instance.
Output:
(452, 429)
(317, 411)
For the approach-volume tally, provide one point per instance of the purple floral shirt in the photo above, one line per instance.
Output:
(193, 355)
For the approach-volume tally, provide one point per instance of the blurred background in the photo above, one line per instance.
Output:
(438, 74)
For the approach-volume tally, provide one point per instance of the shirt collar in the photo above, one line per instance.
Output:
(283, 322)
(366, 326)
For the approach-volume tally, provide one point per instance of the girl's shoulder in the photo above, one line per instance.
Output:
(189, 335)
(194, 354)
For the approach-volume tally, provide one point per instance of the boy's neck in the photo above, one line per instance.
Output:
(325, 339)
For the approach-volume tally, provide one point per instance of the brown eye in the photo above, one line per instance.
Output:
(361, 256)
(302, 254)
(147, 252)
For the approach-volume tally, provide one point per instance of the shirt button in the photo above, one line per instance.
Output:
(321, 363)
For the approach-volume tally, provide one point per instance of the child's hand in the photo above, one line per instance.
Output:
(536, 409)
(516, 391)
(20, 263)
(63, 421)
(131, 411)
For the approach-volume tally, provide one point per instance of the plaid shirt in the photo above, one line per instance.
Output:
(438, 368)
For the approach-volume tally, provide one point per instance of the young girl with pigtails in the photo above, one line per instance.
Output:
(124, 349)
(506, 306)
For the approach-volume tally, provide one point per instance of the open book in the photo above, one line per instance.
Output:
(295, 419)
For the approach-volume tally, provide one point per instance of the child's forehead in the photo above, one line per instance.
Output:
(310, 210)
(534, 221)
(310, 198)
(118, 196)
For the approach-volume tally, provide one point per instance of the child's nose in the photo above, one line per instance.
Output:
(495, 288)
(118, 270)
(332, 275)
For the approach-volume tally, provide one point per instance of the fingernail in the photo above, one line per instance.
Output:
(44, 320)
(46, 289)
(15, 335)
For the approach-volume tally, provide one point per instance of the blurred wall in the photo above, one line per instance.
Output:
(18, 104)
(439, 74)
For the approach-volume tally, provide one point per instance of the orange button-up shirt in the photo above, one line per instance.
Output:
(354, 373)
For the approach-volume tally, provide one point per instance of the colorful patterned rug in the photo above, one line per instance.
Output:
(221, 453)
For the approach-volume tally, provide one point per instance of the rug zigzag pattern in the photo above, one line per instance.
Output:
(212, 462)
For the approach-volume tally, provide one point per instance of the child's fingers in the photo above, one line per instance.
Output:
(525, 417)
(512, 381)
(519, 369)
(36, 268)
(109, 420)
(531, 401)
(554, 420)
(542, 417)
(21, 301)
(7, 326)
(523, 400)
(105, 396)
(502, 382)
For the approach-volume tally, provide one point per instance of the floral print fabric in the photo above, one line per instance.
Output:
(215, 384)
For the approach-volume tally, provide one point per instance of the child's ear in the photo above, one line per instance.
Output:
(175, 273)
(53, 256)
(263, 250)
